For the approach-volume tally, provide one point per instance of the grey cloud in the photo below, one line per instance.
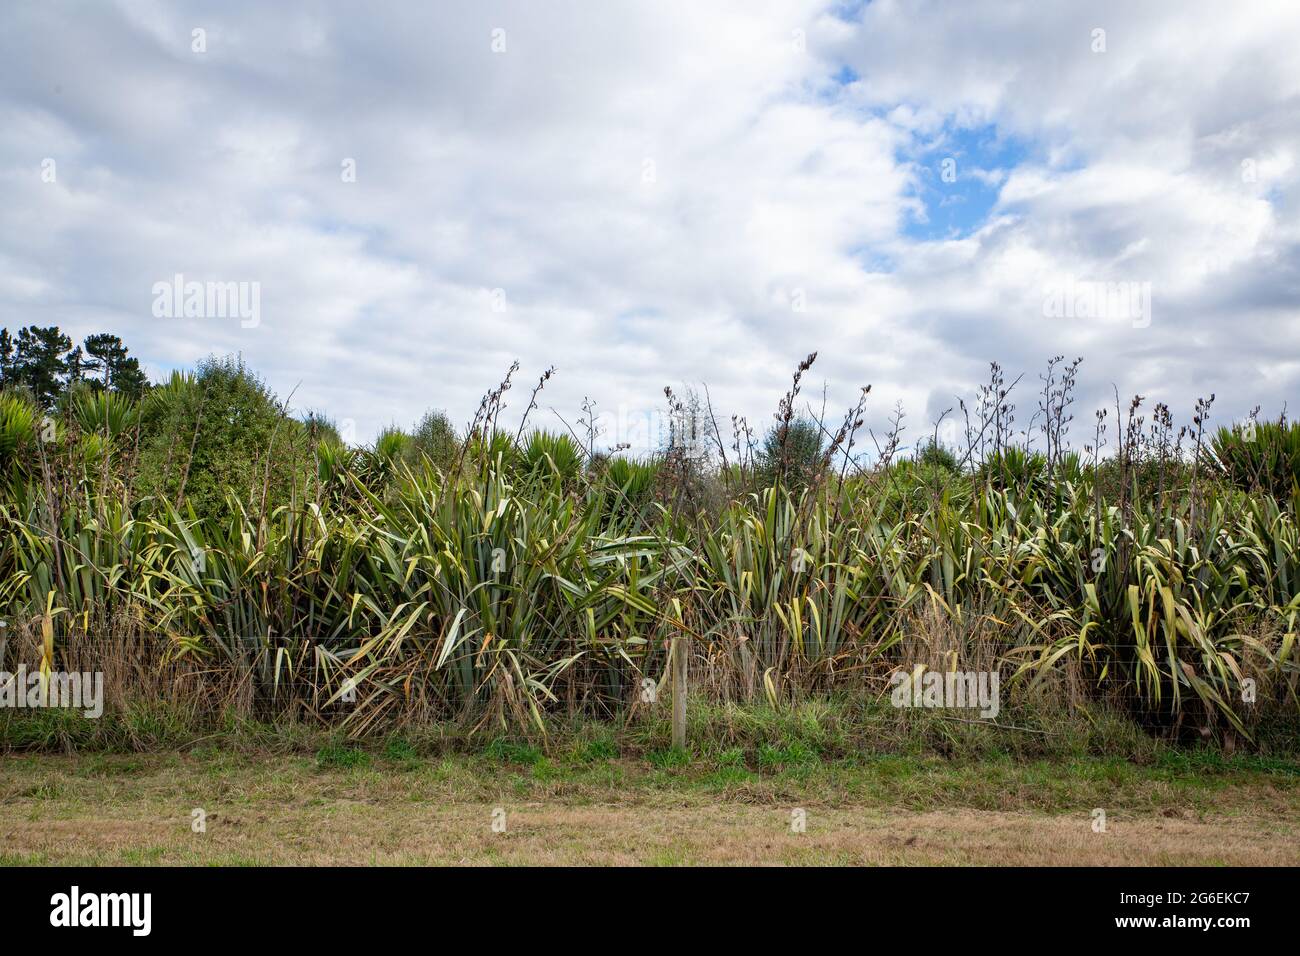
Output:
(526, 171)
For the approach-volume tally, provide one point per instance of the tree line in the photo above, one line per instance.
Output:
(44, 361)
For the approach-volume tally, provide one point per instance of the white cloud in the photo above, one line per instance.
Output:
(652, 186)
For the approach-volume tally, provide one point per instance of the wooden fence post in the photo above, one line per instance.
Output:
(679, 655)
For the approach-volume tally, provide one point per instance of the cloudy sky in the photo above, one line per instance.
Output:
(666, 193)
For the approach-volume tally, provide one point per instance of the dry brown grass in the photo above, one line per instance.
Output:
(273, 810)
(348, 833)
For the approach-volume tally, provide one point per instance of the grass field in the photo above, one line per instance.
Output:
(351, 807)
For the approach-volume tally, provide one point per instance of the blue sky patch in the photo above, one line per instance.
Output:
(958, 176)
(849, 11)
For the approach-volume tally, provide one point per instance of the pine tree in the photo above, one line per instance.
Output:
(39, 363)
(104, 350)
(6, 358)
(108, 356)
(74, 367)
(128, 378)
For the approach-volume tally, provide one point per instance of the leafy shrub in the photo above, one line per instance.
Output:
(497, 452)
(435, 439)
(1259, 456)
(792, 454)
(934, 455)
(220, 432)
